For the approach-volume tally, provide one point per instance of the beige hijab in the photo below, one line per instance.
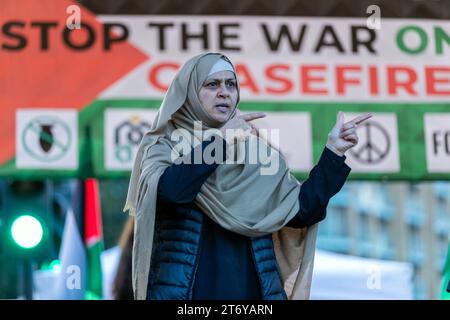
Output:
(236, 196)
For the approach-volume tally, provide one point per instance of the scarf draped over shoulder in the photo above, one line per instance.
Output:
(237, 195)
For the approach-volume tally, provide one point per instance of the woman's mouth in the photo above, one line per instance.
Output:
(223, 107)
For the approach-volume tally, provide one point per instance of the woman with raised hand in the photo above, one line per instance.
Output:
(223, 229)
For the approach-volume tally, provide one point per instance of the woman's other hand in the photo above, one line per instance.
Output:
(343, 136)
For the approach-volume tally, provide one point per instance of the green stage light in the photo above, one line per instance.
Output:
(55, 265)
(27, 231)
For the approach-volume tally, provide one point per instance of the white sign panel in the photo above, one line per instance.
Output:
(377, 150)
(123, 131)
(294, 135)
(295, 58)
(437, 141)
(47, 139)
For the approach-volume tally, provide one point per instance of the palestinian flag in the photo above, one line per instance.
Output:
(445, 293)
(93, 239)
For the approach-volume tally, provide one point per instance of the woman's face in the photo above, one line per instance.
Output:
(218, 95)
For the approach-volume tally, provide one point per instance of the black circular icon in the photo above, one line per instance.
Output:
(374, 143)
(46, 138)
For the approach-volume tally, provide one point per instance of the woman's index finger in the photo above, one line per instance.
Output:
(253, 116)
(362, 118)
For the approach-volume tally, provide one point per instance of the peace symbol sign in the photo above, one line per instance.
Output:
(375, 143)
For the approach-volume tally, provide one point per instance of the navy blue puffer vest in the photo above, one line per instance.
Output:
(175, 257)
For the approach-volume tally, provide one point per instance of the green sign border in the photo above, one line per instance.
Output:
(410, 121)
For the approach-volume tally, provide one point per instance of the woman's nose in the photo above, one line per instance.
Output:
(224, 94)
(223, 91)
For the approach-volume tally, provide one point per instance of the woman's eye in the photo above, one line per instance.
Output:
(231, 84)
(211, 84)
